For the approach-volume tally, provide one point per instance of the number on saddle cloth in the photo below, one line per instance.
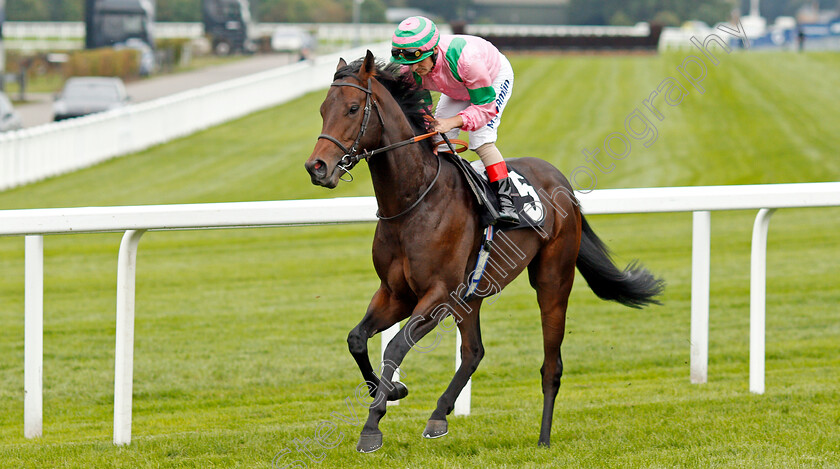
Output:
(525, 198)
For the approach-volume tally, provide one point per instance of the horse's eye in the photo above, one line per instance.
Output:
(354, 109)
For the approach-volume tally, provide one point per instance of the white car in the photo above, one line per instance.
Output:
(87, 95)
(9, 118)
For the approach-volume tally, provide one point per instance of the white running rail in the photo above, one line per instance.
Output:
(134, 221)
(32, 154)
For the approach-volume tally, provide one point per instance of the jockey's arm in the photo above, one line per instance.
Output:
(448, 123)
(479, 84)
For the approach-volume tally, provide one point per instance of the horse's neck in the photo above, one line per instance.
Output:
(401, 175)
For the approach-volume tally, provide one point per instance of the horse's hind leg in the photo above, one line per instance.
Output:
(472, 351)
(383, 312)
(552, 277)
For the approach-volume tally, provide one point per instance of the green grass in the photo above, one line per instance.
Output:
(47, 83)
(240, 340)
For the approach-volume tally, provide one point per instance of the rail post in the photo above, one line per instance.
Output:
(124, 356)
(758, 288)
(700, 267)
(387, 336)
(33, 355)
(463, 401)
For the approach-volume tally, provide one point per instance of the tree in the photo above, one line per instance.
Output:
(302, 11)
(620, 18)
(26, 10)
(666, 18)
(373, 11)
(670, 12)
(178, 10)
(63, 10)
(449, 10)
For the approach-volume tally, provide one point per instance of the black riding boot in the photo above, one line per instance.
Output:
(507, 211)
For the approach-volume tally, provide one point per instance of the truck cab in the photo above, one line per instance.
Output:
(228, 25)
(110, 22)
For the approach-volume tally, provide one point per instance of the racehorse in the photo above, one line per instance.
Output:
(429, 233)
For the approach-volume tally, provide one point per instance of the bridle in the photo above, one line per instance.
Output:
(352, 155)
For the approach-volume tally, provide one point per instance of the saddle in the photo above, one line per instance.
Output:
(525, 197)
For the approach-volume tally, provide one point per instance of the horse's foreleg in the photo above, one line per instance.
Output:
(472, 351)
(383, 312)
(422, 321)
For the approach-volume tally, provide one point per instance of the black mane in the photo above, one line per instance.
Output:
(405, 91)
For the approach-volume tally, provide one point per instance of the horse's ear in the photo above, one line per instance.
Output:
(341, 64)
(368, 67)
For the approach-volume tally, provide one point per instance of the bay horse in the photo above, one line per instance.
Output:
(429, 234)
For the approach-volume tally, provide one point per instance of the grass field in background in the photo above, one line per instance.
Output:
(240, 334)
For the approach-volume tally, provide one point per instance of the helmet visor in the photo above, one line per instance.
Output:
(409, 55)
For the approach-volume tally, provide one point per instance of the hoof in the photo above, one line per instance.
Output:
(399, 392)
(436, 429)
(369, 442)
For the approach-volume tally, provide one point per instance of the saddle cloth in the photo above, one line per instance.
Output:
(525, 198)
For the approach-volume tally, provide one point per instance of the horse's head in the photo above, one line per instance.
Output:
(349, 124)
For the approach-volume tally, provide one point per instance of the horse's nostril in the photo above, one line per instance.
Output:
(317, 168)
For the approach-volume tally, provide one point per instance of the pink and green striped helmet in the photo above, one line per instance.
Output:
(414, 40)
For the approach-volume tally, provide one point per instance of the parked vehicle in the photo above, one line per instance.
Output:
(145, 55)
(229, 26)
(109, 22)
(9, 118)
(87, 95)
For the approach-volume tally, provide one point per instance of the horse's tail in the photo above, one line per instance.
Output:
(635, 286)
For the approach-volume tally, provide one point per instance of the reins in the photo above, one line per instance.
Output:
(416, 202)
(352, 156)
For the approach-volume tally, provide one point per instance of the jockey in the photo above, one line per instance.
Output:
(475, 81)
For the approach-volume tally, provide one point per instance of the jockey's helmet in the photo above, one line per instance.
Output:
(414, 40)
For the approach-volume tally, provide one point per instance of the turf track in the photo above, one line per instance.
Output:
(240, 343)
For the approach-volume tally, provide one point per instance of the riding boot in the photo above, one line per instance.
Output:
(507, 211)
